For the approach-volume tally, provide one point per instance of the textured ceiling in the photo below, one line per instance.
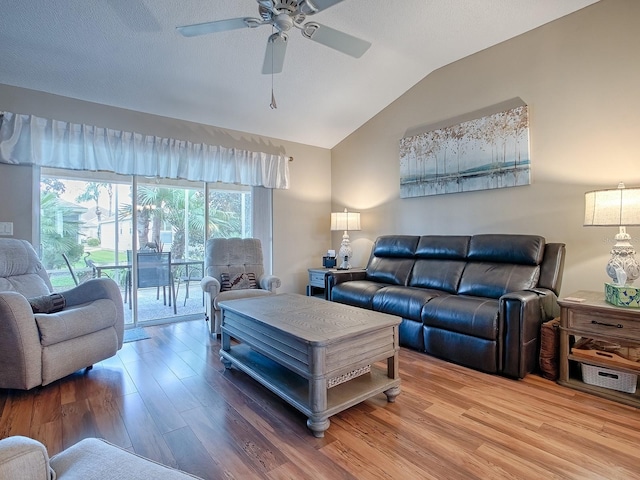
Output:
(127, 53)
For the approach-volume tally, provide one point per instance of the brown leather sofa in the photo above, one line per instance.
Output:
(478, 300)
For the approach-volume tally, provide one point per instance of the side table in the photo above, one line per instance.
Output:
(316, 286)
(590, 317)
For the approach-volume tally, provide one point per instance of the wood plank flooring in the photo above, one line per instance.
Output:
(169, 398)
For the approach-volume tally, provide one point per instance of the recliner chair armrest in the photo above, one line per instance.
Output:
(97, 289)
(210, 285)
(269, 282)
(23, 457)
(91, 290)
(523, 313)
(20, 349)
(335, 278)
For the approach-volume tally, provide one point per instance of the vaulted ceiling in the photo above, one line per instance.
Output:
(128, 54)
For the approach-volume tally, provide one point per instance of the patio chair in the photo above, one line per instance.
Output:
(73, 274)
(192, 273)
(154, 270)
(233, 269)
(46, 335)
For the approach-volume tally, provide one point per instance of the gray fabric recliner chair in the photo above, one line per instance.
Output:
(234, 268)
(89, 459)
(39, 348)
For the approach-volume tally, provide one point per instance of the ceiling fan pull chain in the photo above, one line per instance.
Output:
(273, 103)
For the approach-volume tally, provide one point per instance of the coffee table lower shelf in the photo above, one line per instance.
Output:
(294, 389)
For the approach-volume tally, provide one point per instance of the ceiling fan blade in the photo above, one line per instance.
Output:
(332, 38)
(309, 7)
(214, 27)
(274, 55)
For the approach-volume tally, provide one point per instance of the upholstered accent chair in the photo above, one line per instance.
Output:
(73, 329)
(234, 268)
(89, 459)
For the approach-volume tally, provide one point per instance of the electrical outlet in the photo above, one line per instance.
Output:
(6, 228)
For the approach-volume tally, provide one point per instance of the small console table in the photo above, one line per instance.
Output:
(316, 281)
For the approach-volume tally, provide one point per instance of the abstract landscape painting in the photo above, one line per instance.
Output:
(488, 152)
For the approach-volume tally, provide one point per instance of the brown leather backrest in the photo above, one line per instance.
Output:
(552, 267)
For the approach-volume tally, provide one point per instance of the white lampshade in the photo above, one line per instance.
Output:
(345, 220)
(618, 207)
(614, 207)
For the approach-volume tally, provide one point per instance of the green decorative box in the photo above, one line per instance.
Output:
(622, 295)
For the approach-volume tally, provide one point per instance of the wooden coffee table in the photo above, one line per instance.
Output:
(318, 356)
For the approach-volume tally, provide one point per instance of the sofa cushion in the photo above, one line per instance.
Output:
(439, 274)
(522, 249)
(393, 271)
(405, 302)
(358, 293)
(410, 333)
(450, 247)
(477, 317)
(96, 459)
(493, 280)
(467, 350)
(75, 321)
(395, 246)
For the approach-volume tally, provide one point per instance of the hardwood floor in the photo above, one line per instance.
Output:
(169, 398)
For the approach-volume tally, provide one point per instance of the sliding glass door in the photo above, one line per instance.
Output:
(91, 223)
(83, 233)
(169, 219)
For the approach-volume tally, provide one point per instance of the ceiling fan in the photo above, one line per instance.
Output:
(284, 15)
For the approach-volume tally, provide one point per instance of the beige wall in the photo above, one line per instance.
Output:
(301, 214)
(580, 77)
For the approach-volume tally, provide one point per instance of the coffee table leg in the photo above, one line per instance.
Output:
(226, 346)
(318, 425)
(392, 393)
(226, 363)
(318, 422)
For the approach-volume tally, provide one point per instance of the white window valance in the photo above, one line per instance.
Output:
(31, 140)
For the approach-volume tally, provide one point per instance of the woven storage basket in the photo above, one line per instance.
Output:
(607, 378)
(549, 349)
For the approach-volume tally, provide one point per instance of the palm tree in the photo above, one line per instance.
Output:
(59, 230)
(92, 193)
(162, 208)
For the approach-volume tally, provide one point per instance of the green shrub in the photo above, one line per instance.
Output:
(93, 242)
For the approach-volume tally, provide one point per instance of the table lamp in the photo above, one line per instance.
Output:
(345, 221)
(618, 207)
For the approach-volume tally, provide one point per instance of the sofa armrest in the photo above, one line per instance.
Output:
(210, 285)
(269, 282)
(22, 457)
(337, 277)
(20, 350)
(211, 288)
(523, 313)
(97, 289)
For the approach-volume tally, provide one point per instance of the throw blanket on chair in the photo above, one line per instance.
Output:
(47, 303)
